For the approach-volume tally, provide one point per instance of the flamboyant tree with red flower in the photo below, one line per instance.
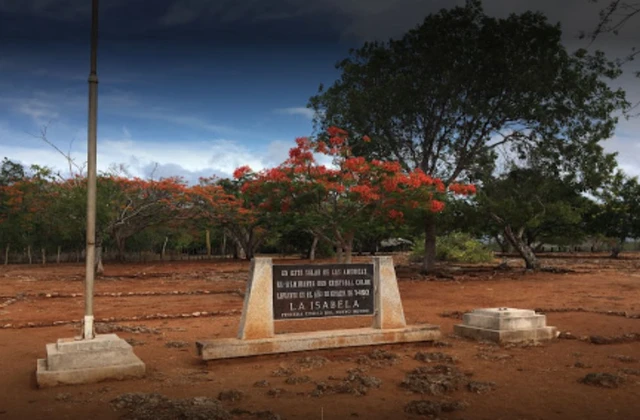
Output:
(338, 200)
(222, 202)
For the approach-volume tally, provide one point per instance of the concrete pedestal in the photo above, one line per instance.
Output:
(293, 342)
(505, 325)
(71, 361)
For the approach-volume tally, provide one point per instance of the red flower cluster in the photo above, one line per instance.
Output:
(241, 171)
(356, 186)
(462, 189)
(437, 206)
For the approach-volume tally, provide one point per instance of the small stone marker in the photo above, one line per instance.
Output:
(71, 362)
(505, 325)
(285, 293)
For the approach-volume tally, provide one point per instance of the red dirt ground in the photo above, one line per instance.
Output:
(203, 300)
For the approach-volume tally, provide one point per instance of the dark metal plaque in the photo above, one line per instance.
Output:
(321, 291)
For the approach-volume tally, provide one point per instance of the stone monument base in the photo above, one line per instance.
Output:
(294, 342)
(71, 361)
(505, 325)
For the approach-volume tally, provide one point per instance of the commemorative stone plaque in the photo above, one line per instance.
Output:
(315, 291)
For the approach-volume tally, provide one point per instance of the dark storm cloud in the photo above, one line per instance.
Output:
(196, 23)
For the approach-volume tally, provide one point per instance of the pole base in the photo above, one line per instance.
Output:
(87, 328)
(72, 362)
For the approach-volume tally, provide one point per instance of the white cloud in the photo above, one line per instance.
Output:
(299, 110)
(41, 112)
(191, 159)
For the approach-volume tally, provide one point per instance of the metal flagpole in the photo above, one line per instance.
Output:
(88, 331)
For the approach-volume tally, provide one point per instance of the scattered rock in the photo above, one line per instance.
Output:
(453, 314)
(379, 358)
(580, 365)
(262, 415)
(433, 408)
(134, 342)
(312, 362)
(481, 387)
(626, 338)
(440, 344)
(524, 344)
(356, 383)
(633, 372)
(282, 371)
(494, 357)
(230, 395)
(605, 380)
(176, 344)
(140, 406)
(622, 358)
(294, 380)
(434, 380)
(567, 336)
(261, 384)
(63, 397)
(106, 328)
(434, 357)
(275, 392)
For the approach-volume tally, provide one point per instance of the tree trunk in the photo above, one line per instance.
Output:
(348, 248)
(223, 247)
(429, 260)
(312, 251)
(58, 254)
(522, 248)
(98, 265)
(121, 243)
(240, 252)
(616, 249)
(29, 253)
(164, 248)
(44, 256)
(208, 242)
(339, 254)
(6, 255)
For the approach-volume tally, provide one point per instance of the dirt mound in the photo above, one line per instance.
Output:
(434, 380)
(379, 358)
(623, 358)
(106, 328)
(433, 408)
(356, 383)
(625, 338)
(177, 344)
(481, 387)
(230, 395)
(283, 371)
(312, 362)
(430, 357)
(260, 415)
(139, 406)
(261, 384)
(294, 380)
(604, 380)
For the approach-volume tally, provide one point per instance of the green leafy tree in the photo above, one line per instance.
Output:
(444, 96)
(11, 173)
(531, 207)
(616, 215)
